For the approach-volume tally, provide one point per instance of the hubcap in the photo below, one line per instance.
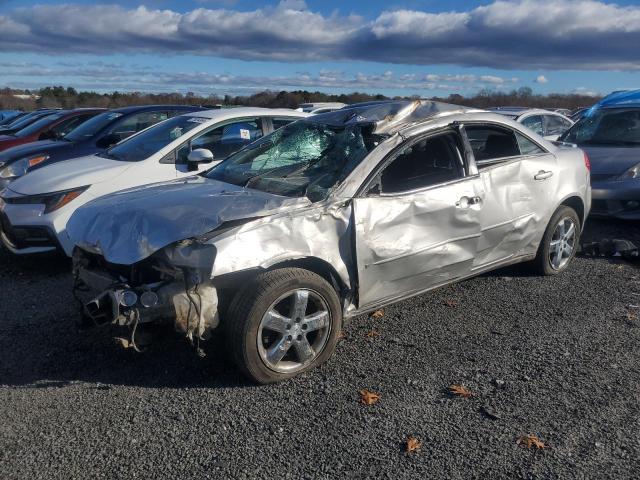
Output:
(563, 242)
(294, 330)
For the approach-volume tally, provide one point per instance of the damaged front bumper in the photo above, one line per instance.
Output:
(109, 298)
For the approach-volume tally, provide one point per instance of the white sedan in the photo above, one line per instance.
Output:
(34, 210)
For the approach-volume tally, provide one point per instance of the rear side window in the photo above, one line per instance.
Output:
(492, 144)
(528, 147)
(428, 162)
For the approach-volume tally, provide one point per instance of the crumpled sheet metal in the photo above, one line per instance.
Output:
(388, 117)
(321, 231)
(512, 218)
(130, 226)
(413, 242)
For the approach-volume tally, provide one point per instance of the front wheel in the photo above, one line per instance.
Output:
(283, 323)
(560, 242)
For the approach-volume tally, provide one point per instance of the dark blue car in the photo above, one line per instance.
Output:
(609, 132)
(94, 135)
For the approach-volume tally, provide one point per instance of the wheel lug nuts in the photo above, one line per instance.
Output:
(288, 326)
(304, 326)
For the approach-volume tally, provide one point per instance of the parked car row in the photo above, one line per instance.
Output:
(272, 227)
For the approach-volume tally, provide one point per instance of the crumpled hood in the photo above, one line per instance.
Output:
(611, 160)
(128, 226)
(77, 172)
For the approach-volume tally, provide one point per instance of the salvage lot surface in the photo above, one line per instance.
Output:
(558, 357)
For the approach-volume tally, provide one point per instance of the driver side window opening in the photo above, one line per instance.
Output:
(428, 162)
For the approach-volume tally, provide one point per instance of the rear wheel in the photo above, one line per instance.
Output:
(283, 323)
(560, 242)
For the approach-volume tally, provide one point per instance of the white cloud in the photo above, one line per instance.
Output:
(516, 34)
(541, 79)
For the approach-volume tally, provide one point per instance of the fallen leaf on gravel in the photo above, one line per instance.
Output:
(373, 333)
(368, 398)
(451, 303)
(632, 316)
(377, 314)
(531, 441)
(342, 335)
(413, 445)
(123, 342)
(460, 391)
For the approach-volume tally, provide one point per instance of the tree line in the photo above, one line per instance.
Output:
(69, 97)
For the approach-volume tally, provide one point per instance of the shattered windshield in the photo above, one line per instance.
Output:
(300, 159)
(606, 126)
(142, 146)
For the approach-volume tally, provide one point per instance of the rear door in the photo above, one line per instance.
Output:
(518, 178)
(417, 226)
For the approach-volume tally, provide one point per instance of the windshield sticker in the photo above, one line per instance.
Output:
(175, 133)
(245, 134)
(198, 120)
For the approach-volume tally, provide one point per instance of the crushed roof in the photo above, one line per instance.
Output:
(389, 116)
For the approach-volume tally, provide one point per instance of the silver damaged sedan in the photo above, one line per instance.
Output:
(327, 218)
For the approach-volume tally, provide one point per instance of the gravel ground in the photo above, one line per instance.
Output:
(556, 357)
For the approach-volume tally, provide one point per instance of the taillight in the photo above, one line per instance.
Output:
(587, 163)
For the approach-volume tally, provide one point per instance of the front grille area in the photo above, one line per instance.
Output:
(27, 236)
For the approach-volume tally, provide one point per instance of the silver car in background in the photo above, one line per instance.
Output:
(546, 123)
(327, 218)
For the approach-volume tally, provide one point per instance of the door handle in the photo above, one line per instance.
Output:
(466, 202)
(542, 175)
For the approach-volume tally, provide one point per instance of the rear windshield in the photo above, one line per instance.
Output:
(92, 126)
(606, 126)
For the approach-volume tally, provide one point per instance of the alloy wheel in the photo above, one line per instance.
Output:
(294, 330)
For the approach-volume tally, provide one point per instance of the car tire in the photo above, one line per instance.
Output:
(554, 242)
(283, 323)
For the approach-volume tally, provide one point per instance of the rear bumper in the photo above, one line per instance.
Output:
(618, 199)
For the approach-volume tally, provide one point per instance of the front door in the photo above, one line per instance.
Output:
(418, 225)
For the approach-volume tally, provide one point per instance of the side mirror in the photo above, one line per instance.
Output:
(199, 155)
(108, 140)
